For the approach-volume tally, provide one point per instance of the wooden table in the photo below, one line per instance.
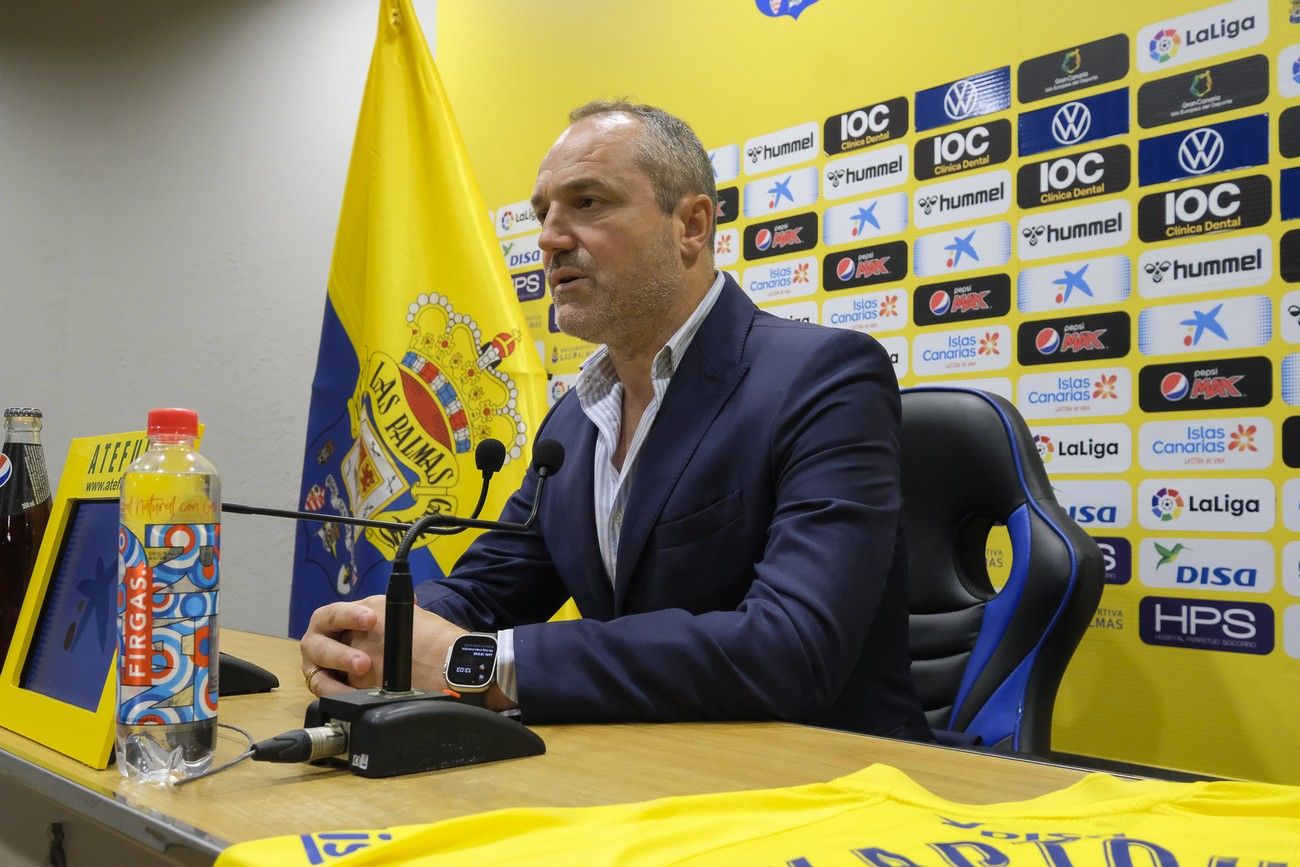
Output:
(583, 766)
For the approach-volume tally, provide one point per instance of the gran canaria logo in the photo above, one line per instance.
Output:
(415, 416)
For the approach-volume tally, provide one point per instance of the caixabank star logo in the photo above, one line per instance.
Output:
(414, 415)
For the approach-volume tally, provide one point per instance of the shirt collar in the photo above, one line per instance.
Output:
(597, 377)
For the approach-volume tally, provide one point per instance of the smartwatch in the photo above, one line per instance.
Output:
(471, 664)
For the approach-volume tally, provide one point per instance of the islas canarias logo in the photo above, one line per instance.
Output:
(414, 416)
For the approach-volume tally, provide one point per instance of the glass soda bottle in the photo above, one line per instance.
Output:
(168, 565)
(24, 512)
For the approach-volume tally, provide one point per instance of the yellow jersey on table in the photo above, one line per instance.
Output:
(877, 816)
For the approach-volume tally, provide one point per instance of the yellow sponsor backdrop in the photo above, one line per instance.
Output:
(514, 69)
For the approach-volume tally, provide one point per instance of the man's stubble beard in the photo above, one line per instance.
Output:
(626, 315)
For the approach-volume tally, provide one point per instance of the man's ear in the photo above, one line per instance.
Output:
(696, 214)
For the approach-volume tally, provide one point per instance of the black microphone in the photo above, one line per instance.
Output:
(399, 602)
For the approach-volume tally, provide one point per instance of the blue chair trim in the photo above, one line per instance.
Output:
(997, 616)
(1013, 686)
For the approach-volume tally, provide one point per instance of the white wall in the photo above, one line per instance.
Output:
(170, 179)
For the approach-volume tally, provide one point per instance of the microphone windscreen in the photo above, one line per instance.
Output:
(490, 456)
(548, 456)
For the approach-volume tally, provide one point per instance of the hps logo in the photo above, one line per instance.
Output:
(1206, 624)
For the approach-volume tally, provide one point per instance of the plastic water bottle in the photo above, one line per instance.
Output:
(168, 565)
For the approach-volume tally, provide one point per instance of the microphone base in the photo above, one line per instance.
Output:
(392, 735)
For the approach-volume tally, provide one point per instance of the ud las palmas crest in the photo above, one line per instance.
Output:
(416, 417)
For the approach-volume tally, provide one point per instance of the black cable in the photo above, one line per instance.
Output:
(228, 765)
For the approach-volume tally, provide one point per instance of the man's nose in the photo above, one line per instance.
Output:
(556, 236)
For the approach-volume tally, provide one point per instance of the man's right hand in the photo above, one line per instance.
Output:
(343, 643)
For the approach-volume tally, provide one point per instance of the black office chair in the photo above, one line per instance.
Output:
(987, 663)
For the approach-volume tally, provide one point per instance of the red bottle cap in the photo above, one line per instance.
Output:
(183, 422)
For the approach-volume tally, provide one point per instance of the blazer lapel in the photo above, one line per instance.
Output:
(573, 496)
(705, 378)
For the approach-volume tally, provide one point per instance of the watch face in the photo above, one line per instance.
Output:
(473, 659)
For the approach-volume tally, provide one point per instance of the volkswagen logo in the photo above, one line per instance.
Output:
(1071, 123)
(1200, 151)
(960, 99)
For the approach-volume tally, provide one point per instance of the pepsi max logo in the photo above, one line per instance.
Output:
(6, 469)
(863, 266)
(1054, 341)
(954, 300)
(776, 237)
(1201, 385)
(530, 285)
(1175, 386)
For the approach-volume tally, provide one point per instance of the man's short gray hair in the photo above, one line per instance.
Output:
(668, 150)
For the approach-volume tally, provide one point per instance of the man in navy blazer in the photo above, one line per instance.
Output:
(728, 519)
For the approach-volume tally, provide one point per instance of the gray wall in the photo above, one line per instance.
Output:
(170, 179)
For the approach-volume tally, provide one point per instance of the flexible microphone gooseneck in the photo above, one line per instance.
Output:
(387, 732)
(399, 604)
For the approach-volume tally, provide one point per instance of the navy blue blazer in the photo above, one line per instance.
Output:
(761, 569)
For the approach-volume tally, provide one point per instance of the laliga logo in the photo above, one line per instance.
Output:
(960, 99)
(1156, 270)
(927, 203)
(507, 220)
(1200, 150)
(1045, 447)
(1032, 234)
(1071, 123)
(1164, 45)
(834, 176)
(1167, 504)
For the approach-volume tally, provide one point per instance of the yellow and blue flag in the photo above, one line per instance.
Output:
(424, 351)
